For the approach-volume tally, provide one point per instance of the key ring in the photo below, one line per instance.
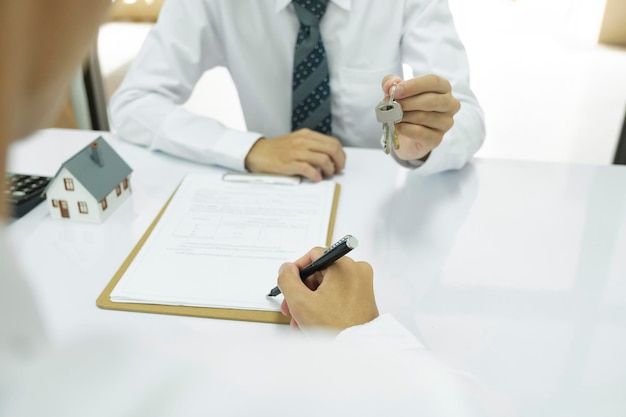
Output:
(392, 93)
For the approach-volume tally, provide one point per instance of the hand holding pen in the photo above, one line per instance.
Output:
(338, 297)
(330, 255)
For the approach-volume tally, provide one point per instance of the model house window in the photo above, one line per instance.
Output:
(69, 184)
(125, 183)
(104, 204)
(55, 203)
(118, 190)
(82, 207)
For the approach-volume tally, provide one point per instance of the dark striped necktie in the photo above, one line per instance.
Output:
(311, 88)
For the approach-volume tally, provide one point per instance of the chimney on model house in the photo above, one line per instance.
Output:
(96, 154)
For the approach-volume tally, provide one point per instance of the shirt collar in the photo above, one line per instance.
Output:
(344, 4)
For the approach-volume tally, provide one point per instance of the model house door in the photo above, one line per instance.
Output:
(64, 210)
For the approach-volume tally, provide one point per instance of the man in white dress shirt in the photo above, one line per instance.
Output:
(355, 362)
(365, 42)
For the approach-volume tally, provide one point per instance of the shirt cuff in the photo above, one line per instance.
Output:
(234, 146)
(444, 157)
(412, 164)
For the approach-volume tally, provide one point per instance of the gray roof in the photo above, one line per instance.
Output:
(98, 179)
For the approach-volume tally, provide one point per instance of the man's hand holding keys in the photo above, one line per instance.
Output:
(428, 113)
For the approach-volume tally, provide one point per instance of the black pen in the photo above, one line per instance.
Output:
(330, 255)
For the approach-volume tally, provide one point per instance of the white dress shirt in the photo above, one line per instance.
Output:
(375, 369)
(364, 40)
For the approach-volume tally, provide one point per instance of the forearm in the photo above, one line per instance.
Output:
(159, 124)
(148, 107)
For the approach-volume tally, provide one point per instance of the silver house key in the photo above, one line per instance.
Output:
(389, 113)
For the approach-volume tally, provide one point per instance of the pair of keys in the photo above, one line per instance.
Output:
(389, 113)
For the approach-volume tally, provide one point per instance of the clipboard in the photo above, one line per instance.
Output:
(104, 300)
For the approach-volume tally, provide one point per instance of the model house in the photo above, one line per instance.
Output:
(90, 185)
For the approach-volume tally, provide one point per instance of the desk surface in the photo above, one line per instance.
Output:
(512, 271)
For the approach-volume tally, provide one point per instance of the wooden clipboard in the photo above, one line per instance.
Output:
(104, 300)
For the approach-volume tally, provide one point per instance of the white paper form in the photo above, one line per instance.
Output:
(220, 244)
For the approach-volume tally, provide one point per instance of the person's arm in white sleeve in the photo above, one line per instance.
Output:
(431, 45)
(147, 108)
(340, 301)
(384, 331)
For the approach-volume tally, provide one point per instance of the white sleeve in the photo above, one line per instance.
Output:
(431, 45)
(147, 108)
(437, 387)
(384, 331)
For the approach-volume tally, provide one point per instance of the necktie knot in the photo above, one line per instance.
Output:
(310, 12)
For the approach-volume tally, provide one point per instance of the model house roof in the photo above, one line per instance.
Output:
(97, 167)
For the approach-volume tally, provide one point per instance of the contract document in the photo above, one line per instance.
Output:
(219, 244)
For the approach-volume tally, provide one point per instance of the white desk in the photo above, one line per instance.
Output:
(513, 271)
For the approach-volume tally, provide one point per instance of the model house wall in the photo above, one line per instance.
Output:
(79, 204)
(90, 185)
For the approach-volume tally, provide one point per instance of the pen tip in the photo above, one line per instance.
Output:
(273, 292)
